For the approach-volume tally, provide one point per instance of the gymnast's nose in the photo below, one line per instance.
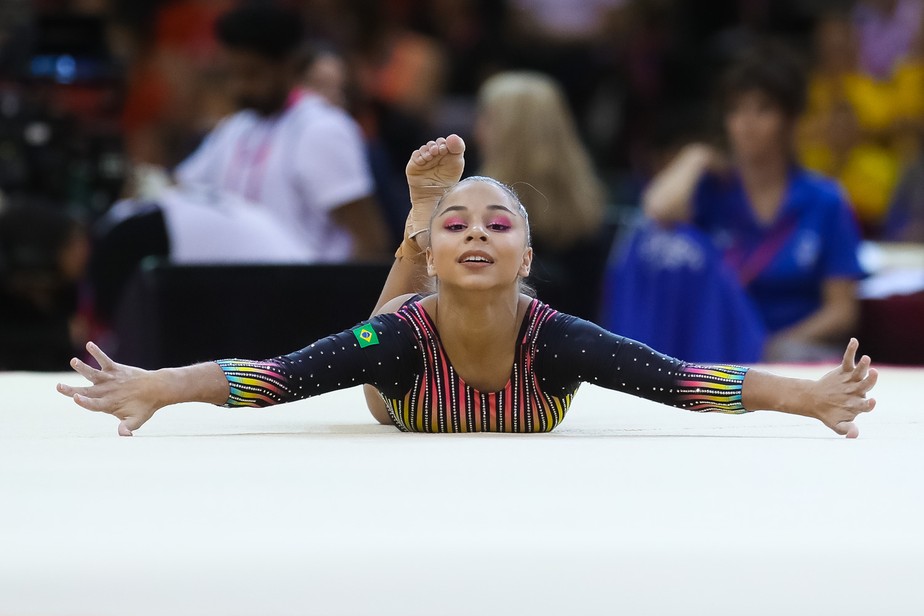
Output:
(476, 232)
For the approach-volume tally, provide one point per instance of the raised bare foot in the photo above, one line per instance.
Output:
(433, 168)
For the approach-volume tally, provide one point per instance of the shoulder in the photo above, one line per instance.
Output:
(316, 116)
(818, 190)
(233, 125)
(394, 305)
(223, 135)
(545, 324)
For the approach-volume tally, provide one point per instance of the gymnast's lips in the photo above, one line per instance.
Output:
(476, 257)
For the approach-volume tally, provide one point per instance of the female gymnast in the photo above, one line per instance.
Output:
(476, 355)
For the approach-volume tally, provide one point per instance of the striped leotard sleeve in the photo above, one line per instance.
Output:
(377, 352)
(574, 350)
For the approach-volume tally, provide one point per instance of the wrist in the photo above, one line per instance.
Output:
(771, 392)
(163, 387)
(798, 399)
(204, 382)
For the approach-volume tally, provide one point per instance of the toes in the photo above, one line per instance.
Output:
(455, 144)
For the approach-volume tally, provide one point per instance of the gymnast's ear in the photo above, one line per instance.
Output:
(431, 270)
(527, 263)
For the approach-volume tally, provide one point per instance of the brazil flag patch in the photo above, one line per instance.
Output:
(365, 335)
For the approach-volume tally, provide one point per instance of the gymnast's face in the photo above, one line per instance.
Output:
(479, 239)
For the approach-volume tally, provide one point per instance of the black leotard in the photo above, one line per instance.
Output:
(402, 356)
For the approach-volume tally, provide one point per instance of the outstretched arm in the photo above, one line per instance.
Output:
(835, 399)
(582, 351)
(375, 351)
(133, 395)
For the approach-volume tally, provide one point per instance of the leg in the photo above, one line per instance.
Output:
(433, 168)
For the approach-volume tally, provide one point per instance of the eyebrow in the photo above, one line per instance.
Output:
(493, 206)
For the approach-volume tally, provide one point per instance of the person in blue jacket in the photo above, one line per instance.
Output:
(788, 234)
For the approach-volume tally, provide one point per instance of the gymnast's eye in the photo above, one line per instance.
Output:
(454, 224)
(500, 224)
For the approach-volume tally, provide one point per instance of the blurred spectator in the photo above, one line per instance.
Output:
(788, 234)
(400, 74)
(851, 124)
(527, 138)
(564, 39)
(287, 149)
(172, 91)
(43, 256)
(905, 218)
(905, 222)
(887, 31)
(182, 225)
(471, 33)
(327, 74)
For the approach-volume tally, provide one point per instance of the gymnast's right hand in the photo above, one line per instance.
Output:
(129, 393)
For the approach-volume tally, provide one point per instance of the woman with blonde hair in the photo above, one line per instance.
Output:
(527, 138)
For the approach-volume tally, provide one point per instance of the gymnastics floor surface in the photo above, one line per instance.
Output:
(311, 508)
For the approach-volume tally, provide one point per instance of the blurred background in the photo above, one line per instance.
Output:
(101, 100)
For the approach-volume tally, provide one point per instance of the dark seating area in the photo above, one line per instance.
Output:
(176, 315)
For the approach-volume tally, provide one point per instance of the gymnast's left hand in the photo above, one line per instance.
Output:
(840, 395)
(130, 394)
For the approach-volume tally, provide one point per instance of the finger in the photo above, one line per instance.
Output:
(69, 391)
(850, 354)
(859, 373)
(124, 430)
(91, 404)
(88, 372)
(847, 428)
(870, 405)
(104, 362)
(870, 381)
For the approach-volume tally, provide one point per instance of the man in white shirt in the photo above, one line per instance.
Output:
(288, 150)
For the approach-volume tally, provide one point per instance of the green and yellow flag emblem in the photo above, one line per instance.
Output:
(365, 335)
